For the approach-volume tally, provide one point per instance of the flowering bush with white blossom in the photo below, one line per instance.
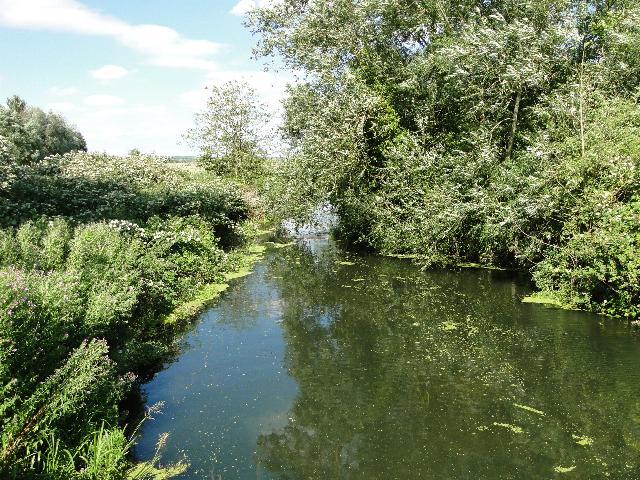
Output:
(95, 254)
(89, 187)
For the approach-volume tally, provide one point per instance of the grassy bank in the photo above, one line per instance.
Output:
(103, 262)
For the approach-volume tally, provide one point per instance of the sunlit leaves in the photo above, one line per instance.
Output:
(231, 132)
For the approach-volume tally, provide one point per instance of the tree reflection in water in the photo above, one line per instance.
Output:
(404, 374)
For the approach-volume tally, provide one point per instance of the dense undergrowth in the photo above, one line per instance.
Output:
(503, 133)
(96, 253)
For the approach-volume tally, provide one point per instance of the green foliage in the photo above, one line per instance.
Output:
(595, 267)
(231, 132)
(29, 134)
(501, 133)
(83, 389)
(100, 291)
(598, 269)
(89, 187)
(97, 252)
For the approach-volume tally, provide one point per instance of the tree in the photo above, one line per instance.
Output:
(30, 134)
(468, 131)
(231, 131)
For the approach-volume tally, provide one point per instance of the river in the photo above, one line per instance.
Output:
(328, 365)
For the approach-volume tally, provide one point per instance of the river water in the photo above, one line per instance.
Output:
(329, 365)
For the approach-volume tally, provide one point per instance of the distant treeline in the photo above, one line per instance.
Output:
(498, 132)
(183, 159)
(28, 134)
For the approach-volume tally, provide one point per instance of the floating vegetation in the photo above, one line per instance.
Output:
(448, 326)
(543, 300)
(513, 428)
(279, 245)
(188, 310)
(583, 440)
(529, 409)
(561, 469)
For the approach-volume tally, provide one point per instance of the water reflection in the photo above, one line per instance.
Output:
(403, 374)
(328, 365)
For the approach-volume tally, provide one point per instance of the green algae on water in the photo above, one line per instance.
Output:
(279, 245)
(529, 409)
(513, 428)
(560, 469)
(188, 310)
(543, 299)
(448, 326)
(583, 440)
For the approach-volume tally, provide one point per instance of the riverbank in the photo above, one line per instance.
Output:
(246, 258)
(104, 261)
(550, 299)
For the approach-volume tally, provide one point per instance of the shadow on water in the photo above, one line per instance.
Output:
(326, 365)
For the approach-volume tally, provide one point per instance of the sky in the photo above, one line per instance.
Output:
(129, 73)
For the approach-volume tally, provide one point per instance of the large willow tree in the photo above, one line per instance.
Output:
(489, 131)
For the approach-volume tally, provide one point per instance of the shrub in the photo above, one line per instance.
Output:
(89, 187)
(81, 306)
(598, 269)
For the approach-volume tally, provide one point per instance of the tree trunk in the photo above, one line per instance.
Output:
(514, 124)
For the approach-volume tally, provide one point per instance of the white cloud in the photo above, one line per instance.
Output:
(63, 91)
(119, 129)
(114, 111)
(245, 6)
(61, 106)
(159, 44)
(109, 72)
(102, 100)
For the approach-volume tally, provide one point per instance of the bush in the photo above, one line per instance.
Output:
(96, 252)
(98, 292)
(599, 269)
(89, 187)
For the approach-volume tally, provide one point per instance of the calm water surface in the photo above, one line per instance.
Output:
(327, 365)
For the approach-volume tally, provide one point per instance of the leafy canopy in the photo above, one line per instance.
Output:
(230, 132)
(28, 134)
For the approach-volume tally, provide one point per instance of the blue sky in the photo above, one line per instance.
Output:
(128, 73)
